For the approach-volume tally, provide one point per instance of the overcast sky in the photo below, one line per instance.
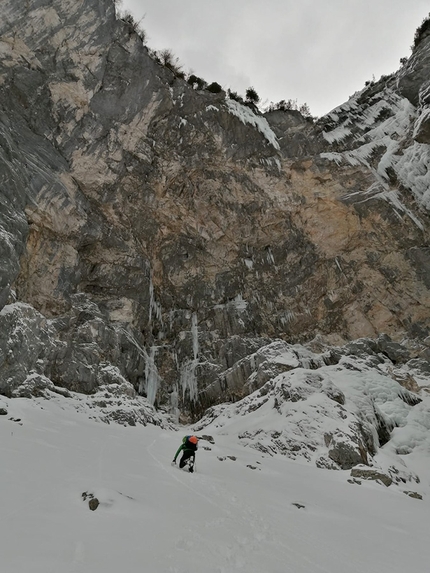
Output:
(316, 51)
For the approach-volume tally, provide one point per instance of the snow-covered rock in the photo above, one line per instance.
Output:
(336, 415)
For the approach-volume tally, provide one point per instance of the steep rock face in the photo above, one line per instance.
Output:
(413, 83)
(172, 232)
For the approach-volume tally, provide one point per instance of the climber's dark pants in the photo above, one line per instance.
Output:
(185, 457)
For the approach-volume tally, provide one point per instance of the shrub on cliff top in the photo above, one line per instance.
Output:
(196, 82)
(134, 25)
(252, 96)
(214, 87)
(421, 30)
(170, 61)
(291, 104)
(235, 96)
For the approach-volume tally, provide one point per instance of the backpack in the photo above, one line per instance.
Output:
(189, 445)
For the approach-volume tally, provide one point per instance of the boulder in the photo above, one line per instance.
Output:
(371, 473)
(345, 453)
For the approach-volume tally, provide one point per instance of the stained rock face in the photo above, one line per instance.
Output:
(171, 233)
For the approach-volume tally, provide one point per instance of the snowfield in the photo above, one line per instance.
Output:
(243, 510)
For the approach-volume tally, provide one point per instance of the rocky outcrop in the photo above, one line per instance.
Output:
(414, 84)
(170, 233)
(412, 81)
(367, 473)
(351, 414)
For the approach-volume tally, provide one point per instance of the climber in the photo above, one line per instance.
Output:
(189, 447)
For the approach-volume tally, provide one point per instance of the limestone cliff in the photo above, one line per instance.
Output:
(172, 232)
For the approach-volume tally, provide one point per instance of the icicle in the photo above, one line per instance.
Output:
(188, 377)
(152, 377)
(151, 297)
(174, 405)
(154, 306)
(195, 335)
(270, 257)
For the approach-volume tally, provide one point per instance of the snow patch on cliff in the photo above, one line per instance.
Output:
(379, 144)
(337, 134)
(246, 116)
(413, 171)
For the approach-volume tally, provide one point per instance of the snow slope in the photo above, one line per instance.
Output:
(155, 518)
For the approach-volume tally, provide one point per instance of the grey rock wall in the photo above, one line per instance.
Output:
(172, 233)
